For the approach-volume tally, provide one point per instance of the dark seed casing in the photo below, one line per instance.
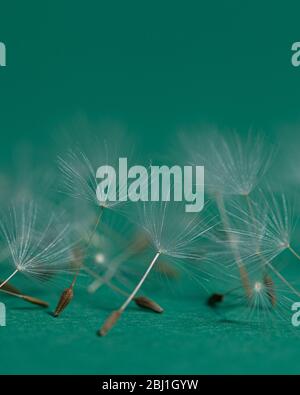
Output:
(64, 300)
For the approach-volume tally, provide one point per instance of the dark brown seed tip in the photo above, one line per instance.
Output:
(64, 300)
(145, 303)
(215, 299)
(36, 301)
(109, 323)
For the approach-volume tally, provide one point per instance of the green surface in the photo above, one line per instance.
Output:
(154, 67)
(187, 338)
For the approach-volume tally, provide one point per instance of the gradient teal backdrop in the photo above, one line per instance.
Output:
(154, 67)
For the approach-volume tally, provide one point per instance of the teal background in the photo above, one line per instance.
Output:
(154, 67)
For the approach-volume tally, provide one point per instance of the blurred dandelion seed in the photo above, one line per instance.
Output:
(141, 301)
(233, 167)
(232, 242)
(115, 252)
(262, 232)
(138, 245)
(268, 304)
(267, 231)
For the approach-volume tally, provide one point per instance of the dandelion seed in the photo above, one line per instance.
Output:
(38, 247)
(233, 167)
(262, 231)
(79, 174)
(161, 222)
(267, 232)
(269, 302)
(106, 261)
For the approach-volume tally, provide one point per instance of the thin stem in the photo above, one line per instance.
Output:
(136, 289)
(141, 301)
(242, 270)
(115, 315)
(67, 294)
(90, 239)
(8, 278)
(294, 252)
(27, 298)
(113, 266)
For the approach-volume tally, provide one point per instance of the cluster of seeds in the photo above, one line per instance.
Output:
(241, 232)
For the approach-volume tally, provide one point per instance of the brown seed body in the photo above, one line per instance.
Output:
(109, 323)
(64, 300)
(146, 303)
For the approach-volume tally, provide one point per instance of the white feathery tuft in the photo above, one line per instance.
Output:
(37, 240)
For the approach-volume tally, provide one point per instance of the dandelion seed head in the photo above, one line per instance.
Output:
(233, 165)
(80, 181)
(80, 162)
(79, 176)
(174, 232)
(38, 243)
(265, 230)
